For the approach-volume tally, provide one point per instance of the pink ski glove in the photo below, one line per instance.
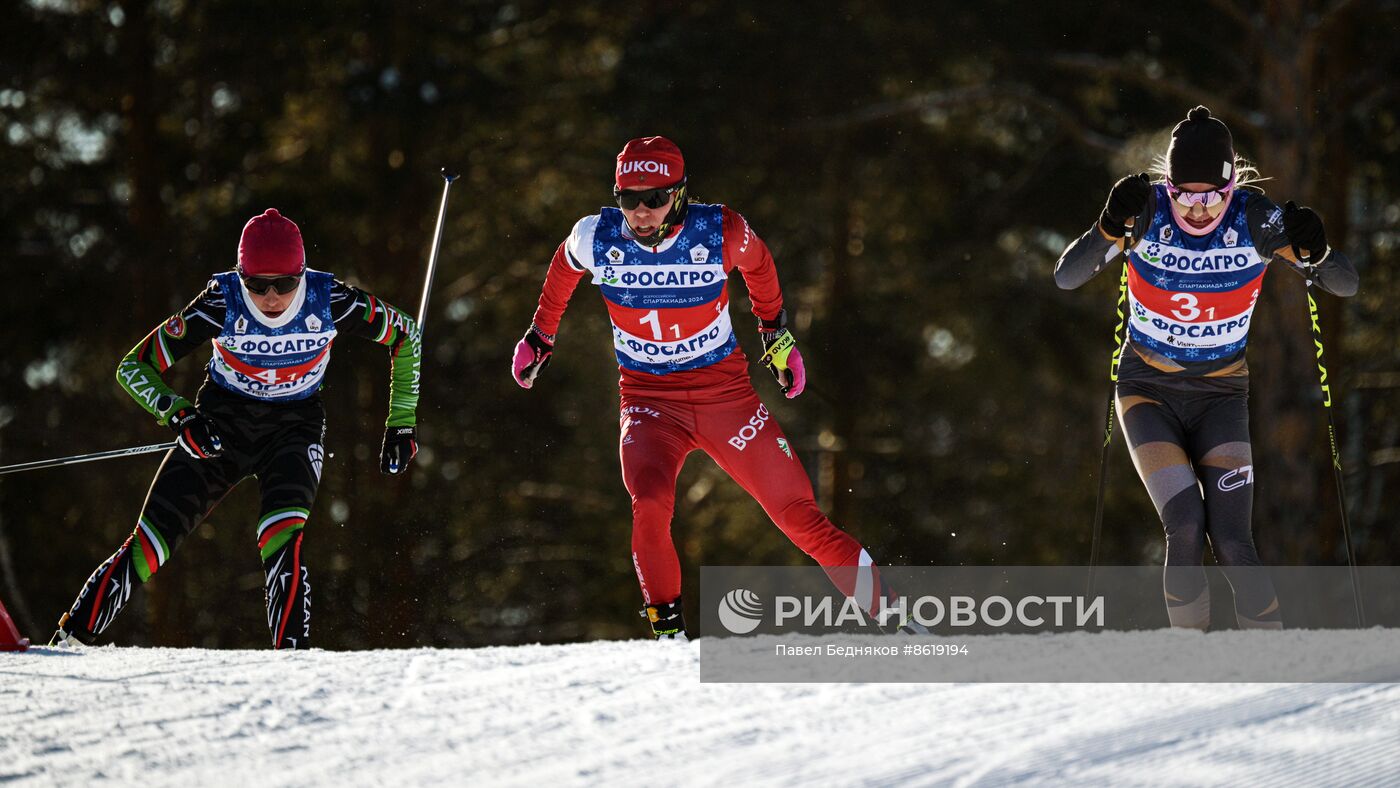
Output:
(781, 356)
(797, 374)
(531, 357)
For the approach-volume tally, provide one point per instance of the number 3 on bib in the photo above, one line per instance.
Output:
(1189, 310)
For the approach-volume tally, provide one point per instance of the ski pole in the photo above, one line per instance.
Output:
(1129, 240)
(447, 178)
(1305, 257)
(77, 458)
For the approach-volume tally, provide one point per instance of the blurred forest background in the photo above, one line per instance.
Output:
(916, 168)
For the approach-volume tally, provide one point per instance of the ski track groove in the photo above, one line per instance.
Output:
(633, 713)
(1090, 757)
(1054, 754)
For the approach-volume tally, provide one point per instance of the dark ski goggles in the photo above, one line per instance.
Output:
(259, 285)
(651, 198)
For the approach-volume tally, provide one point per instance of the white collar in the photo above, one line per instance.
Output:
(292, 310)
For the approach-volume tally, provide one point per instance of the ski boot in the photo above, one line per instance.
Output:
(666, 622)
(70, 637)
(906, 625)
(909, 626)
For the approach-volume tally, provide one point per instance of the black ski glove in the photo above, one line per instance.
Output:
(195, 433)
(399, 449)
(1127, 200)
(1304, 230)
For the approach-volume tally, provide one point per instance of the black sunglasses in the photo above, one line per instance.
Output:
(259, 285)
(651, 198)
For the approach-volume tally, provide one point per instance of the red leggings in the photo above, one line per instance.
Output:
(739, 433)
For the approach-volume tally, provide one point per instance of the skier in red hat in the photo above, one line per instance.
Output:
(662, 263)
(271, 322)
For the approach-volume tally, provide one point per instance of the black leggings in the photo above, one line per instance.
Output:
(1192, 451)
(281, 445)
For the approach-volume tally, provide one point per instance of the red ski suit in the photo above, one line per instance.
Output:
(713, 408)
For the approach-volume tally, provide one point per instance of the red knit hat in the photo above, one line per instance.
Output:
(649, 163)
(271, 246)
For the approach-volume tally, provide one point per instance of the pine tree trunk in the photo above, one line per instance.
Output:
(1296, 518)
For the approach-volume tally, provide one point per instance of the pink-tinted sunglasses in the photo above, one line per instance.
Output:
(1208, 199)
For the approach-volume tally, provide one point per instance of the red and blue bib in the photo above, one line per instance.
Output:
(669, 307)
(282, 358)
(1191, 297)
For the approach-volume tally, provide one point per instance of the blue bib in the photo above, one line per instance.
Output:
(669, 308)
(282, 358)
(1192, 297)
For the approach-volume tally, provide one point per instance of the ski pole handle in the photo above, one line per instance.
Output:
(77, 458)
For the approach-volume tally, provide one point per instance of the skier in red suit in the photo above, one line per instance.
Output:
(662, 263)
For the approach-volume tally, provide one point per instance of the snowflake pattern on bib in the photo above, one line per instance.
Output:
(669, 307)
(1191, 297)
(274, 358)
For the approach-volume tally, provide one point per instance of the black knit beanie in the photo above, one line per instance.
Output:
(1201, 151)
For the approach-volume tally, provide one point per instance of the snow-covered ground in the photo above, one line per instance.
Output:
(635, 713)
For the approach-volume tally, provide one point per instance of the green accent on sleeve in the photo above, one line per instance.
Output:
(143, 569)
(397, 331)
(405, 368)
(140, 380)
